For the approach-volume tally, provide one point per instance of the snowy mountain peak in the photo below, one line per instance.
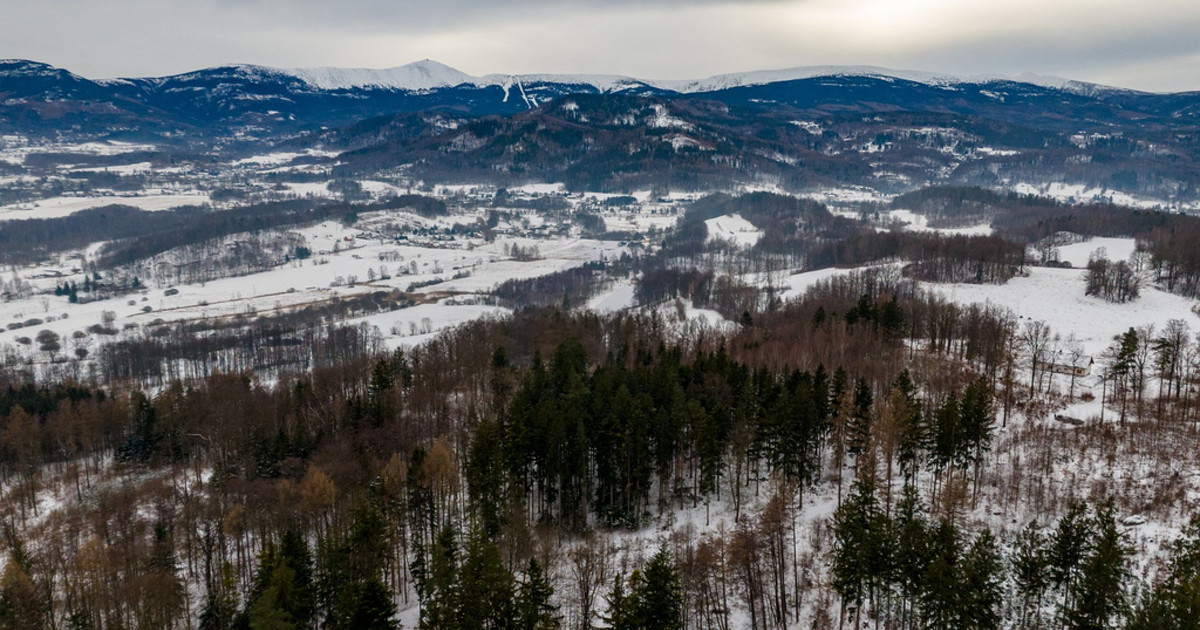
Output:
(26, 68)
(418, 76)
(763, 77)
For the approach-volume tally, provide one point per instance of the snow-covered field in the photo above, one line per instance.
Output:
(342, 265)
(56, 207)
(1080, 193)
(734, 229)
(1114, 249)
(1056, 296)
(920, 223)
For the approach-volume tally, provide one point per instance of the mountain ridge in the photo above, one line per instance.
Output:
(429, 74)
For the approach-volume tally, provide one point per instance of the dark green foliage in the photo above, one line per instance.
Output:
(348, 584)
(659, 593)
(485, 588)
(282, 594)
(1031, 572)
(220, 610)
(859, 429)
(533, 608)
(1174, 602)
(862, 546)
(1099, 596)
(1068, 547)
(982, 585)
(654, 599)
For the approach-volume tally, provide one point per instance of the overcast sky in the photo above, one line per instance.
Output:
(1144, 44)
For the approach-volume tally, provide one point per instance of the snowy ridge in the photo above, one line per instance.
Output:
(422, 75)
(429, 75)
(763, 77)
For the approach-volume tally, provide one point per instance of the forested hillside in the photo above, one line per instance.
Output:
(867, 455)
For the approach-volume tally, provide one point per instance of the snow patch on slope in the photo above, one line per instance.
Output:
(733, 228)
(422, 75)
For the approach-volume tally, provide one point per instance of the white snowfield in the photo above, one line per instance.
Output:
(428, 75)
(56, 207)
(733, 228)
(1082, 193)
(1114, 249)
(1056, 296)
(920, 223)
(343, 264)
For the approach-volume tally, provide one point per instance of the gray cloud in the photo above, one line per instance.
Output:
(1149, 45)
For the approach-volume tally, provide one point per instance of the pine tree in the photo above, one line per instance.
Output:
(855, 525)
(486, 589)
(373, 608)
(1031, 568)
(282, 596)
(533, 608)
(437, 585)
(941, 595)
(1068, 546)
(23, 605)
(485, 475)
(912, 543)
(913, 437)
(1175, 602)
(622, 607)
(659, 594)
(982, 585)
(1101, 597)
(859, 429)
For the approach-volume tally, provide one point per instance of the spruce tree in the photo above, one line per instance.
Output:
(533, 608)
(912, 543)
(373, 608)
(659, 594)
(622, 606)
(1031, 573)
(437, 584)
(859, 429)
(855, 525)
(1175, 601)
(941, 595)
(220, 610)
(1101, 597)
(486, 589)
(1068, 546)
(982, 585)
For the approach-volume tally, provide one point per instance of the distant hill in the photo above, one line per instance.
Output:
(892, 130)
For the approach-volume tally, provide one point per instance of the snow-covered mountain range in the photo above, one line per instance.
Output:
(430, 75)
(260, 101)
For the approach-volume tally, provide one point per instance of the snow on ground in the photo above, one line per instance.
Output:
(1056, 296)
(798, 283)
(920, 223)
(1081, 193)
(55, 207)
(555, 256)
(733, 228)
(343, 264)
(16, 148)
(847, 194)
(123, 169)
(618, 298)
(540, 189)
(1115, 248)
(279, 158)
(638, 221)
(409, 327)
